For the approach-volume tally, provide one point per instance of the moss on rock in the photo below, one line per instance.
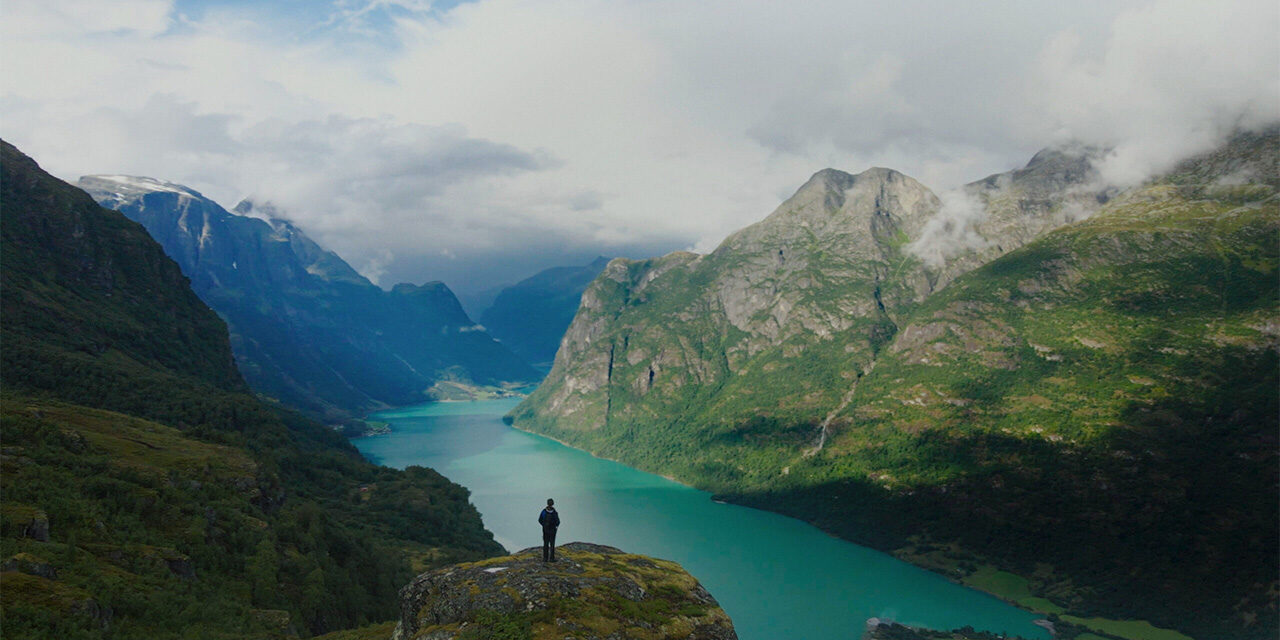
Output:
(591, 591)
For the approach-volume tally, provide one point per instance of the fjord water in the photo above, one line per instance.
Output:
(775, 576)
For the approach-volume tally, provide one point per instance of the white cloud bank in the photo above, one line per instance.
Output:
(1173, 78)
(953, 231)
(477, 144)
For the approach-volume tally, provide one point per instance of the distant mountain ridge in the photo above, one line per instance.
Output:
(306, 328)
(1082, 392)
(531, 316)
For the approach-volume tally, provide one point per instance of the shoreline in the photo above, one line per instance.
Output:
(599, 457)
(718, 499)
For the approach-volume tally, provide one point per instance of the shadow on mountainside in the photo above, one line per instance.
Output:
(1167, 505)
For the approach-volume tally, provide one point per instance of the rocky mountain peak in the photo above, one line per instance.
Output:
(1050, 170)
(830, 188)
(834, 203)
(1069, 153)
(829, 178)
(1004, 211)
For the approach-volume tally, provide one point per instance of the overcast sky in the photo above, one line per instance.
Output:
(478, 142)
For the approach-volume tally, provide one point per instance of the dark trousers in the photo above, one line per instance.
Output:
(548, 544)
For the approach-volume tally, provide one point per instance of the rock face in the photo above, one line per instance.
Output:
(590, 592)
(305, 327)
(1086, 372)
(30, 565)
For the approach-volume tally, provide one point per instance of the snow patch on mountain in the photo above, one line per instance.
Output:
(135, 185)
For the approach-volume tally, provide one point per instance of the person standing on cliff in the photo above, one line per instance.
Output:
(550, 520)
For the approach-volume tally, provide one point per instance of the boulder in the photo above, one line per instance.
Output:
(30, 565)
(25, 521)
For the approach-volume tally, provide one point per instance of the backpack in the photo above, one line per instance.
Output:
(549, 518)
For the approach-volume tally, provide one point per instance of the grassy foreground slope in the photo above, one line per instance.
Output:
(1096, 411)
(146, 493)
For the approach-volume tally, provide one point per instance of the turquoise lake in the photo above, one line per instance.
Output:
(775, 576)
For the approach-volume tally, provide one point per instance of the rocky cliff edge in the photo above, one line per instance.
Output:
(592, 592)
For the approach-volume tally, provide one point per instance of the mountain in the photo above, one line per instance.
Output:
(145, 492)
(306, 328)
(531, 316)
(779, 311)
(1091, 410)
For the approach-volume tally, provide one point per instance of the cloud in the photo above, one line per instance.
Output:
(375, 267)
(369, 188)
(520, 134)
(339, 170)
(860, 108)
(1173, 78)
(953, 230)
(586, 201)
(88, 17)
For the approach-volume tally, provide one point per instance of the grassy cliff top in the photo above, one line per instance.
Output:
(591, 591)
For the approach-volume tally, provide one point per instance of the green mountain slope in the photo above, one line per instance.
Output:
(145, 492)
(87, 296)
(1096, 411)
(737, 341)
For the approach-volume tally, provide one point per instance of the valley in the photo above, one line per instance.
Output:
(825, 320)
(1048, 415)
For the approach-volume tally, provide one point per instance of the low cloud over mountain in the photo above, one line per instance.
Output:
(446, 141)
